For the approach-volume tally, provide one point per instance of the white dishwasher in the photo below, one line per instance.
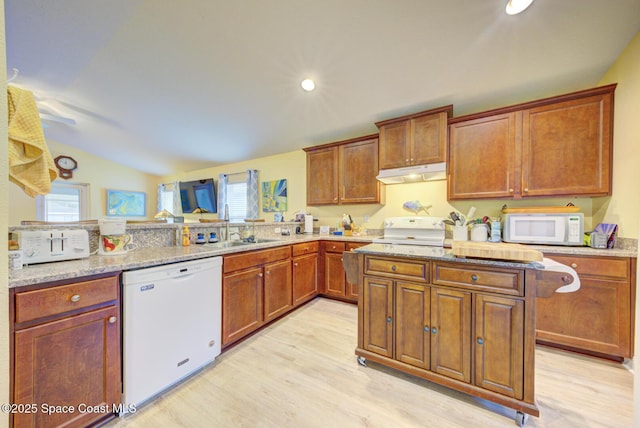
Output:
(172, 317)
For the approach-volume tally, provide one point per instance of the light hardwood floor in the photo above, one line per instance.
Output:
(301, 372)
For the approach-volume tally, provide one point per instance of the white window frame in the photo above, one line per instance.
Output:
(83, 193)
(236, 197)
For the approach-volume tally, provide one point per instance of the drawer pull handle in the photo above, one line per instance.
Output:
(393, 268)
(574, 265)
(112, 320)
(480, 341)
(474, 277)
(434, 330)
(75, 298)
(389, 319)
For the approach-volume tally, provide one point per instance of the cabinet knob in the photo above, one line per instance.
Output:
(389, 319)
(434, 330)
(510, 190)
(427, 329)
(335, 199)
(406, 161)
(474, 277)
(260, 275)
(574, 265)
(268, 272)
(480, 341)
(75, 298)
(295, 264)
(393, 268)
(112, 320)
(526, 189)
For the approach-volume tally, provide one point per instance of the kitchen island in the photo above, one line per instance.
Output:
(468, 324)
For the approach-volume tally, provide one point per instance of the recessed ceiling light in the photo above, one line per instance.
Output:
(514, 7)
(308, 85)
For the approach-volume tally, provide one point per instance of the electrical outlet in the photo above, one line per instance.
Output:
(277, 230)
(366, 219)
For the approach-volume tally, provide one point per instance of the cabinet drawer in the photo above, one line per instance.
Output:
(254, 258)
(615, 268)
(353, 245)
(334, 247)
(415, 270)
(505, 281)
(304, 248)
(31, 305)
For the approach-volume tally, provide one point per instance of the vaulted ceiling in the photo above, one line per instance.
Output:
(165, 86)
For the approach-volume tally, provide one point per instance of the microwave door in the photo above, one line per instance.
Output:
(549, 229)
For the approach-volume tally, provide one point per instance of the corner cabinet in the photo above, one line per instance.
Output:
(336, 284)
(66, 351)
(465, 326)
(415, 139)
(344, 173)
(559, 146)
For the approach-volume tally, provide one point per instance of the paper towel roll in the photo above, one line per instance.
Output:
(553, 265)
(308, 223)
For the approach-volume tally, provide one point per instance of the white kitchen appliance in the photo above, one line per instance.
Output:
(413, 230)
(172, 316)
(544, 229)
(41, 246)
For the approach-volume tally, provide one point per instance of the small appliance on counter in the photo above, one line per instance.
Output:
(113, 238)
(42, 246)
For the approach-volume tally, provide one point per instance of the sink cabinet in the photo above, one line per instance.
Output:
(256, 288)
(415, 139)
(66, 350)
(468, 327)
(560, 146)
(597, 319)
(344, 173)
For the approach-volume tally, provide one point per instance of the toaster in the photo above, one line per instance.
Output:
(41, 246)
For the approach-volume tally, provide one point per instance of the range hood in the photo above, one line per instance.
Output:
(412, 174)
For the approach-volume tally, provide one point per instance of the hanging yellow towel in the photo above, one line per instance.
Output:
(30, 164)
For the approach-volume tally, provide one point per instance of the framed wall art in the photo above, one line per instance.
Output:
(124, 203)
(274, 195)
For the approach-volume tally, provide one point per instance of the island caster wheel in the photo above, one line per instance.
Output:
(362, 361)
(521, 419)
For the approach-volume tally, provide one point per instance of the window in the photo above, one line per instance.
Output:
(237, 197)
(65, 202)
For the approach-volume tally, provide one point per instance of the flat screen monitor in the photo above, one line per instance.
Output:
(198, 194)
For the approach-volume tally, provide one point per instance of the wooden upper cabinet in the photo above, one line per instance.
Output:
(344, 173)
(482, 158)
(415, 139)
(560, 146)
(567, 147)
(322, 176)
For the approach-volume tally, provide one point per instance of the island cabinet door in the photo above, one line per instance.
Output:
(412, 326)
(499, 344)
(451, 333)
(378, 315)
(242, 304)
(277, 289)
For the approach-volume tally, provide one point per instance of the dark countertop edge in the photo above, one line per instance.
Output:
(148, 257)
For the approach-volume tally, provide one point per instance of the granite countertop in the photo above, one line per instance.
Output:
(147, 257)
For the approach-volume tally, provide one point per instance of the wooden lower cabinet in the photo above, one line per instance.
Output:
(305, 278)
(335, 280)
(69, 355)
(242, 304)
(598, 318)
(277, 289)
(467, 336)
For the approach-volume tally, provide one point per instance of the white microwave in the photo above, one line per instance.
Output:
(544, 229)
